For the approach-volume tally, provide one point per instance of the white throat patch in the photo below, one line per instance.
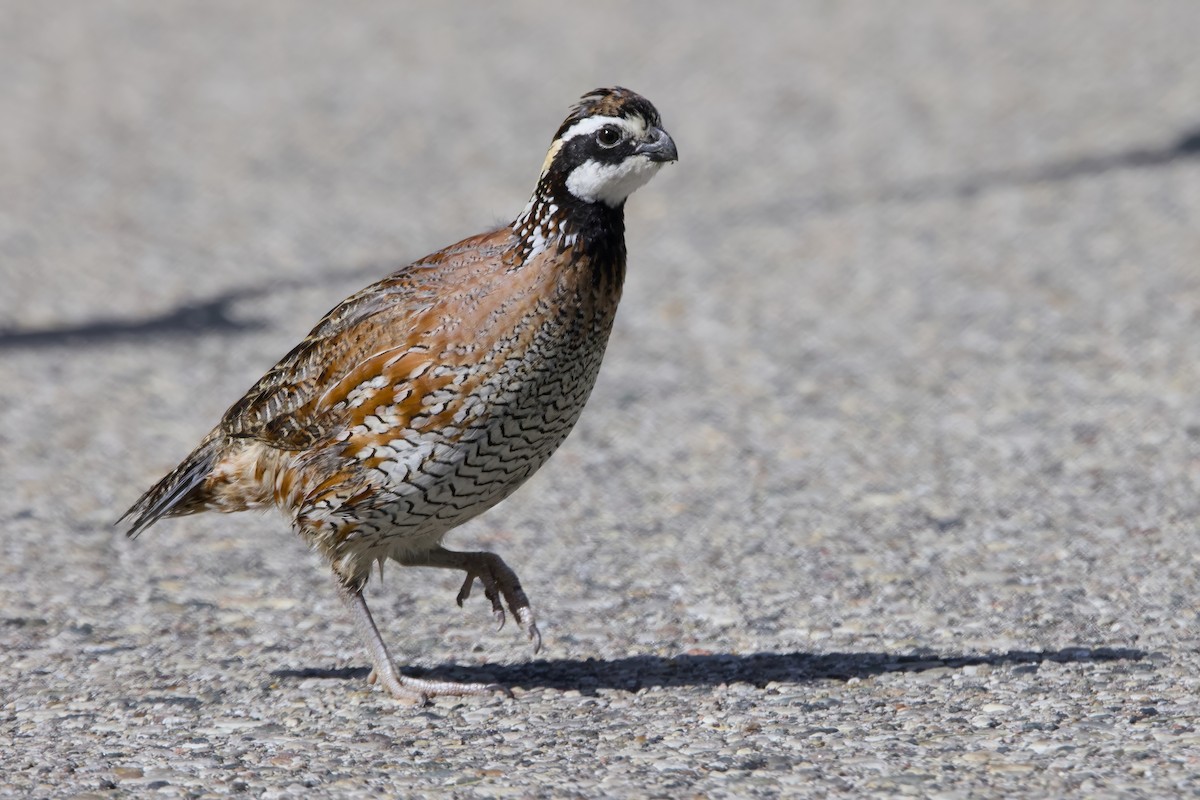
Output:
(610, 184)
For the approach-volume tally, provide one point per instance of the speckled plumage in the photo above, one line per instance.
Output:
(430, 396)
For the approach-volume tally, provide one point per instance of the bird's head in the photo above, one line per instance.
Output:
(611, 143)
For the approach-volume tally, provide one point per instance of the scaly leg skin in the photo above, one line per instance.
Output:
(498, 579)
(401, 687)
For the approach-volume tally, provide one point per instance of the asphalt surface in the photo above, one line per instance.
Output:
(890, 484)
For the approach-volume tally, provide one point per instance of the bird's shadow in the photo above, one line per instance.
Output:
(759, 669)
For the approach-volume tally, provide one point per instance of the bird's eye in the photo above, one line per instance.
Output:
(608, 136)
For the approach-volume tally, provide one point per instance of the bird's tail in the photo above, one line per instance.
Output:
(174, 493)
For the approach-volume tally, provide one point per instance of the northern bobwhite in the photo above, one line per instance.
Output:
(430, 396)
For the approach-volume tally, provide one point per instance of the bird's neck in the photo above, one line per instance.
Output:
(557, 221)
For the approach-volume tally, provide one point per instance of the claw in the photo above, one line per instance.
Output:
(465, 591)
(529, 625)
(500, 586)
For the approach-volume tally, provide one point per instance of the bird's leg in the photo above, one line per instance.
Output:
(498, 579)
(401, 687)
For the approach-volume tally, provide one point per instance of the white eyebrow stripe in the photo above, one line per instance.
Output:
(635, 126)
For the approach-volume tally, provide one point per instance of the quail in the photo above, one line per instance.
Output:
(425, 399)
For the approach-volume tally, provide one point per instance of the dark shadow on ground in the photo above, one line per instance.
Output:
(193, 319)
(215, 316)
(1185, 147)
(638, 672)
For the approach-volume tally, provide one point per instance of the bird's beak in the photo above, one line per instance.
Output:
(659, 146)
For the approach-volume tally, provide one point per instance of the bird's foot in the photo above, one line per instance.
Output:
(499, 581)
(401, 687)
(418, 691)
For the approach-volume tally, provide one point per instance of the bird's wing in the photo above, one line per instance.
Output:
(290, 407)
(280, 409)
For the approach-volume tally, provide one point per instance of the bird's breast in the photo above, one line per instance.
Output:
(448, 428)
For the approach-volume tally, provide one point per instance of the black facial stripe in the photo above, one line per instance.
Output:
(583, 148)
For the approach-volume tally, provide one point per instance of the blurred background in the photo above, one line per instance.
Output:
(908, 360)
